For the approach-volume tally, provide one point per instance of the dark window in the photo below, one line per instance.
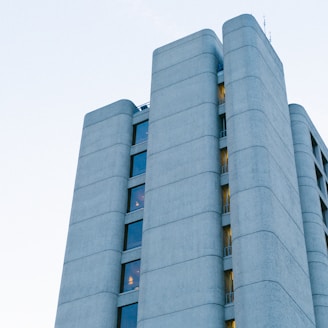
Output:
(130, 276)
(319, 178)
(127, 316)
(325, 164)
(324, 212)
(140, 132)
(136, 198)
(223, 126)
(314, 146)
(138, 164)
(133, 235)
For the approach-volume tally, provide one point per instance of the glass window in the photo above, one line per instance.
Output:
(136, 198)
(228, 279)
(227, 241)
(230, 324)
(130, 276)
(314, 146)
(221, 93)
(319, 178)
(324, 212)
(140, 132)
(127, 316)
(138, 164)
(225, 199)
(224, 160)
(133, 235)
(325, 164)
(223, 126)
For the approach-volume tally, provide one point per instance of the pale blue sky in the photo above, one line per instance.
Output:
(60, 59)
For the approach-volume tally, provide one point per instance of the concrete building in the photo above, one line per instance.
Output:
(166, 232)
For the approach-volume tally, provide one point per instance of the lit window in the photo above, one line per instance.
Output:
(138, 164)
(133, 235)
(225, 199)
(136, 198)
(130, 276)
(224, 160)
(227, 241)
(140, 132)
(127, 316)
(221, 93)
(230, 324)
(228, 279)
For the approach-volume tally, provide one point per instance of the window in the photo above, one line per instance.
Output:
(225, 199)
(224, 160)
(325, 164)
(230, 324)
(127, 316)
(223, 126)
(319, 178)
(221, 93)
(133, 235)
(140, 132)
(136, 198)
(324, 212)
(138, 164)
(314, 146)
(228, 280)
(227, 241)
(130, 276)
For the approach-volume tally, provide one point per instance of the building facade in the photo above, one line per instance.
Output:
(206, 207)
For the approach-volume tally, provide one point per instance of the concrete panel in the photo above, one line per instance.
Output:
(105, 196)
(311, 210)
(91, 273)
(98, 234)
(203, 316)
(193, 286)
(97, 311)
(184, 238)
(268, 244)
(182, 225)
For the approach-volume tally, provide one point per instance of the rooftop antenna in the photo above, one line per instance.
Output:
(264, 29)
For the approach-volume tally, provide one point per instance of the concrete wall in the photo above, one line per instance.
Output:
(91, 274)
(181, 282)
(268, 242)
(311, 209)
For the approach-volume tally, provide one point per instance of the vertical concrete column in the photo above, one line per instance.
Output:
(91, 274)
(269, 254)
(181, 231)
(311, 210)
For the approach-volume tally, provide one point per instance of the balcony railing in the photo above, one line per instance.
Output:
(227, 250)
(143, 106)
(229, 298)
(224, 168)
(223, 133)
(226, 208)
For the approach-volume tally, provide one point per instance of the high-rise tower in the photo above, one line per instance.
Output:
(206, 207)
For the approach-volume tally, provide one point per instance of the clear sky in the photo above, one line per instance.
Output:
(60, 59)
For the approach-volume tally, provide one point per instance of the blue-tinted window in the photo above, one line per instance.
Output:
(127, 316)
(140, 132)
(133, 235)
(138, 164)
(130, 276)
(136, 198)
